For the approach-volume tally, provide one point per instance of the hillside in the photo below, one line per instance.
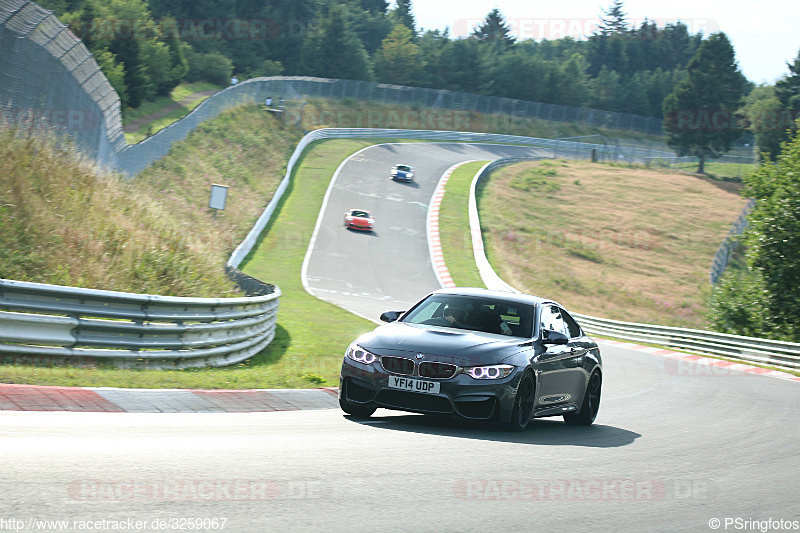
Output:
(61, 223)
(630, 244)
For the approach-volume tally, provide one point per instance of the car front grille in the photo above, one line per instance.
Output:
(398, 365)
(430, 369)
(426, 369)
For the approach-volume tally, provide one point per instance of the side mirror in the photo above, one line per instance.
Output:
(391, 316)
(554, 337)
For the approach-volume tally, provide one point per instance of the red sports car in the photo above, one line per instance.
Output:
(359, 219)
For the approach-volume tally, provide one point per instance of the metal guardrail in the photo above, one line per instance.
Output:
(52, 323)
(749, 349)
(728, 246)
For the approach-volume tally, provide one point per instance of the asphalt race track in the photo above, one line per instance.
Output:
(390, 267)
(674, 447)
(678, 444)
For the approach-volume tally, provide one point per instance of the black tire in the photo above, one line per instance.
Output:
(590, 405)
(357, 410)
(523, 404)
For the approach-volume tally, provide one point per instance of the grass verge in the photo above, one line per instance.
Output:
(454, 230)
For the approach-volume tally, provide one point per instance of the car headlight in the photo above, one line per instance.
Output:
(357, 353)
(489, 371)
(409, 174)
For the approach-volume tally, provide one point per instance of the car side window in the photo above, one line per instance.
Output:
(553, 319)
(573, 329)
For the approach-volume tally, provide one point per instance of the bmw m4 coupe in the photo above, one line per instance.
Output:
(477, 354)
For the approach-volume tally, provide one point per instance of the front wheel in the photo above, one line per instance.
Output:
(590, 405)
(523, 405)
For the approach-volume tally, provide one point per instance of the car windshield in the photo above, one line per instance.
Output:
(474, 313)
(404, 168)
(357, 213)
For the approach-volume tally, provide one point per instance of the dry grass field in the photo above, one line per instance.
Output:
(629, 244)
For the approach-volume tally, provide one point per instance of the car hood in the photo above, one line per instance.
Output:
(460, 347)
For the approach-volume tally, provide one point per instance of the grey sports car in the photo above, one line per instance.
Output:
(478, 354)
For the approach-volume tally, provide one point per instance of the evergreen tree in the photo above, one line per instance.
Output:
(332, 50)
(375, 6)
(788, 87)
(614, 20)
(787, 91)
(699, 115)
(573, 88)
(402, 14)
(494, 28)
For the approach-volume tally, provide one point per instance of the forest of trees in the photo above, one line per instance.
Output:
(147, 48)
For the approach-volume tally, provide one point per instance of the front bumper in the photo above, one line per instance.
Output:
(361, 227)
(462, 395)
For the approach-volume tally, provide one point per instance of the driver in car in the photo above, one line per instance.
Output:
(456, 317)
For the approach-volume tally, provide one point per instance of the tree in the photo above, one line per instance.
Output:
(494, 28)
(333, 50)
(399, 60)
(607, 92)
(463, 67)
(787, 91)
(572, 87)
(614, 20)
(773, 234)
(404, 16)
(787, 88)
(763, 111)
(114, 73)
(700, 114)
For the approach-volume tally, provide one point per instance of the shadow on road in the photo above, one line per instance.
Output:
(541, 432)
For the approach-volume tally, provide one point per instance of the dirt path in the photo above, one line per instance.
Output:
(131, 127)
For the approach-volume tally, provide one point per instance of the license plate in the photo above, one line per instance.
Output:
(414, 385)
